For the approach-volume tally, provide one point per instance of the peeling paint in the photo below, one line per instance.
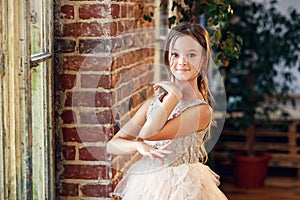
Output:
(24, 144)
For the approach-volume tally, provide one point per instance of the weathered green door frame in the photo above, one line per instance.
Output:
(15, 102)
(18, 178)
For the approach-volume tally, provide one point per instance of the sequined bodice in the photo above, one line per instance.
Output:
(185, 149)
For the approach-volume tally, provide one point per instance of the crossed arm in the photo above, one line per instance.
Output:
(157, 126)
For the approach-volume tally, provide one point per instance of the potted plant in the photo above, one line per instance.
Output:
(270, 49)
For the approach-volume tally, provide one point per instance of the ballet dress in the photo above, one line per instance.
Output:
(181, 177)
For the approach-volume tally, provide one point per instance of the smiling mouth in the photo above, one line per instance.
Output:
(182, 70)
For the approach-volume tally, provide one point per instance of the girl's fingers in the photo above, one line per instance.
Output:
(159, 154)
(164, 151)
(165, 145)
(155, 87)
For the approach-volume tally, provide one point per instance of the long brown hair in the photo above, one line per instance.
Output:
(201, 35)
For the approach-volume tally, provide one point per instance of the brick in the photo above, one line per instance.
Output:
(89, 99)
(148, 78)
(96, 190)
(139, 23)
(96, 117)
(88, 11)
(64, 45)
(136, 85)
(117, 45)
(129, 41)
(115, 11)
(68, 117)
(123, 92)
(87, 63)
(69, 189)
(93, 153)
(110, 28)
(69, 152)
(67, 81)
(87, 134)
(150, 91)
(84, 46)
(67, 12)
(139, 40)
(96, 81)
(119, 111)
(118, 61)
(94, 45)
(115, 79)
(134, 101)
(124, 10)
(83, 29)
(139, 69)
(128, 58)
(143, 94)
(130, 25)
(121, 26)
(136, 10)
(126, 75)
(87, 172)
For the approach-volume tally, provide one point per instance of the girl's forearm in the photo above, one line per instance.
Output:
(121, 146)
(157, 118)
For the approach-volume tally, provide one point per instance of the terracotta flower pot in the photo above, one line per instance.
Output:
(251, 171)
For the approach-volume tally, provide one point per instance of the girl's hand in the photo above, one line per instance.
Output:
(154, 153)
(170, 87)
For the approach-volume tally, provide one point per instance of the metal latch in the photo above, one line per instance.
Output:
(37, 58)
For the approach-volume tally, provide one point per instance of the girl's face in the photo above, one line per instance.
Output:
(185, 58)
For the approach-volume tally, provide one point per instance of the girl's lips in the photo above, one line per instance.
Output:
(182, 70)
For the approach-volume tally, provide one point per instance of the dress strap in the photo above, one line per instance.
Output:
(189, 104)
(183, 105)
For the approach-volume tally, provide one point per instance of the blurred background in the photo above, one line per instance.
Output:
(72, 72)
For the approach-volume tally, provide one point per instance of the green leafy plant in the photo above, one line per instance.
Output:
(270, 49)
(250, 41)
(216, 14)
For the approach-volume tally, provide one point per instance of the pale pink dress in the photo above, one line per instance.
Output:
(181, 177)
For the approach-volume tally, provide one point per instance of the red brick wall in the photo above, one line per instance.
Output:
(103, 70)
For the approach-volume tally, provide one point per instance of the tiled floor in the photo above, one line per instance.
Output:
(276, 188)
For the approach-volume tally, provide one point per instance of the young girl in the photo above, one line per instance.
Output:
(169, 130)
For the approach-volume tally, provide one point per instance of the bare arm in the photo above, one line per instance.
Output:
(162, 109)
(193, 119)
(124, 141)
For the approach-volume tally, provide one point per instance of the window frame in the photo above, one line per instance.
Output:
(43, 60)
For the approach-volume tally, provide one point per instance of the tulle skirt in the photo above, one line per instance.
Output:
(183, 182)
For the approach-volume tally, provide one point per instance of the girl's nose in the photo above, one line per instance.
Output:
(182, 60)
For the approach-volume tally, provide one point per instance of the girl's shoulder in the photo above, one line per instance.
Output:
(198, 104)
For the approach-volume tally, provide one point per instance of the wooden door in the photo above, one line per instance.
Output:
(26, 89)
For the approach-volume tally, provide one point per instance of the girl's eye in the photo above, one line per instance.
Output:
(174, 55)
(191, 55)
